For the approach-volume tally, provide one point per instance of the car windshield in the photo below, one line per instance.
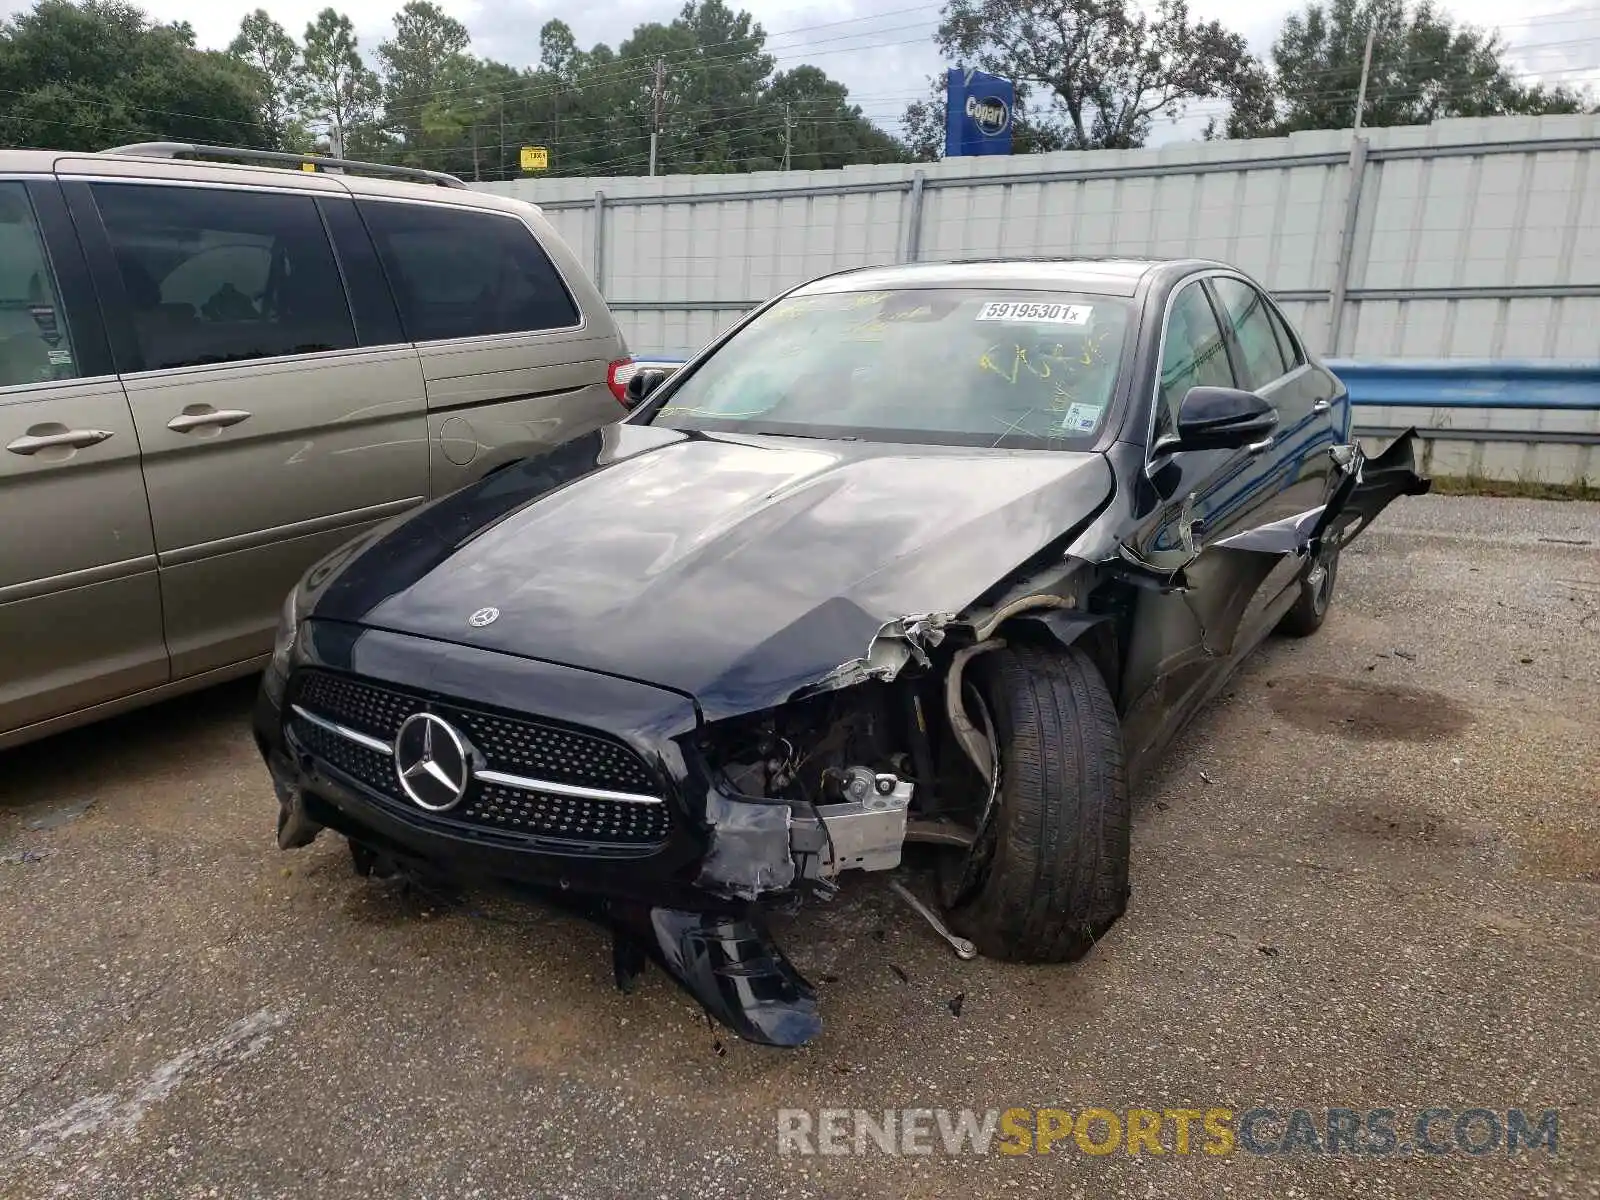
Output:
(949, 366)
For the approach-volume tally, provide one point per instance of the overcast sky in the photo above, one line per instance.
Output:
(881, 49)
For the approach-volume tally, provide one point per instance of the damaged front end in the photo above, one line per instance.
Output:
(890, 748)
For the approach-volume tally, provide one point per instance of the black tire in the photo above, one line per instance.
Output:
(1316, 597)
(1053, 874)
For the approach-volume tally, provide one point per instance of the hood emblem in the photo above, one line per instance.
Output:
(484, 616)
(433, 761)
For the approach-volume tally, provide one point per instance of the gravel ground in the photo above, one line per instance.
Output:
(1368, 877)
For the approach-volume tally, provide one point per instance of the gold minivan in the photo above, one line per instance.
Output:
(214, 373)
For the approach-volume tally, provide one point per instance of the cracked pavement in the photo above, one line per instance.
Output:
(1367, 876)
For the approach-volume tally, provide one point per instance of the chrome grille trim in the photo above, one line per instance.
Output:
(522, 784)
(344, 731)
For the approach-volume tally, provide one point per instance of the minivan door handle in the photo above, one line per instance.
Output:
(203, 416)
(75, 439)
(1322, 406)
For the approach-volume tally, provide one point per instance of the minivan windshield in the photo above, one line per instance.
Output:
(952, 366)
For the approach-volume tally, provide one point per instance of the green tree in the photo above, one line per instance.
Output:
(1425, 67)
(1106, 67)
(558, 49)
(98, 74)
(337, 88)
(425, 68)
(267, 49)
(824, 130)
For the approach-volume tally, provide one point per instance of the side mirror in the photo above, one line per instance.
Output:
(641, 384)
(1219, 418)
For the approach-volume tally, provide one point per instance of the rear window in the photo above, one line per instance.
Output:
(950, 366)
(459, 273)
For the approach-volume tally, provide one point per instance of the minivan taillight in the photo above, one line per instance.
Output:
(617, 376)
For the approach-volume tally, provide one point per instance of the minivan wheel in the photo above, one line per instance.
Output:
(1049, 872)
(1316, 596)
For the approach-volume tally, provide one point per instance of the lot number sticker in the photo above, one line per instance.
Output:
(1034, 313)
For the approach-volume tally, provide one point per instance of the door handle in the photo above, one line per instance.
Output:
(1260, 447)
(76, 439)
(1322, 406)
(209, 418)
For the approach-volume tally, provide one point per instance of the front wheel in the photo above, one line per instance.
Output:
(1316, 596)
(1048, 874)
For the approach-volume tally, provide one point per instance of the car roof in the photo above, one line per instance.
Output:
(1094, 276)
(197, 170)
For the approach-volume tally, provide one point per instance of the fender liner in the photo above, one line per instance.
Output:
(1069, 627)
(1365, 492)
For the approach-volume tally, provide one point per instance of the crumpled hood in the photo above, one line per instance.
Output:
(736, 570)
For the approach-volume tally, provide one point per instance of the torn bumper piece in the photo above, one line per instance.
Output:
(728, 963)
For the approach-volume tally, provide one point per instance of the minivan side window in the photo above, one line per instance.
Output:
(1192, 355)
(35, 346)
(464, 273)
(1246, 312)
(218, 275)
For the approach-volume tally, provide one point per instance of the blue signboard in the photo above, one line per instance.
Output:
(977, 116)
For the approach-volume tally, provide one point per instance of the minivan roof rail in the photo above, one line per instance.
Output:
(242, 154)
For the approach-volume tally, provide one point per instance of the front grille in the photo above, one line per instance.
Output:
(517, 811)
(510, 745)
(365, 766)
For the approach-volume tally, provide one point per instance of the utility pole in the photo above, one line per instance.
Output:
(336, 139)
(1366, 68)
(500, 161)
(475, 177)
(655, 122)
(788, 135)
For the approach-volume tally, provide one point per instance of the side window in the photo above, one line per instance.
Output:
(1192, 355)
(1292, 357)
(459, 273)
(35, 346)
(1246, 312)
(215, 275)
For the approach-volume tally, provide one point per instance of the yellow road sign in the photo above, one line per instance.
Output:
(535, 158)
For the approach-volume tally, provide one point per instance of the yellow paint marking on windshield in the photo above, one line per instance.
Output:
(1019, 362)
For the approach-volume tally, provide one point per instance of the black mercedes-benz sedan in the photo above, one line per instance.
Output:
(941, 554)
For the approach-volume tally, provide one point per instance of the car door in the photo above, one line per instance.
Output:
(1194, 591)
(515, 349)
(271, 429)
(1298, 468)
(1298, 471)
(80, 604)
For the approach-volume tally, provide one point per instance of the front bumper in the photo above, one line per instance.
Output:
(668, 901)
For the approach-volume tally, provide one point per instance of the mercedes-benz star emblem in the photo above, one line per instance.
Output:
(484, 616)
(433, 761)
